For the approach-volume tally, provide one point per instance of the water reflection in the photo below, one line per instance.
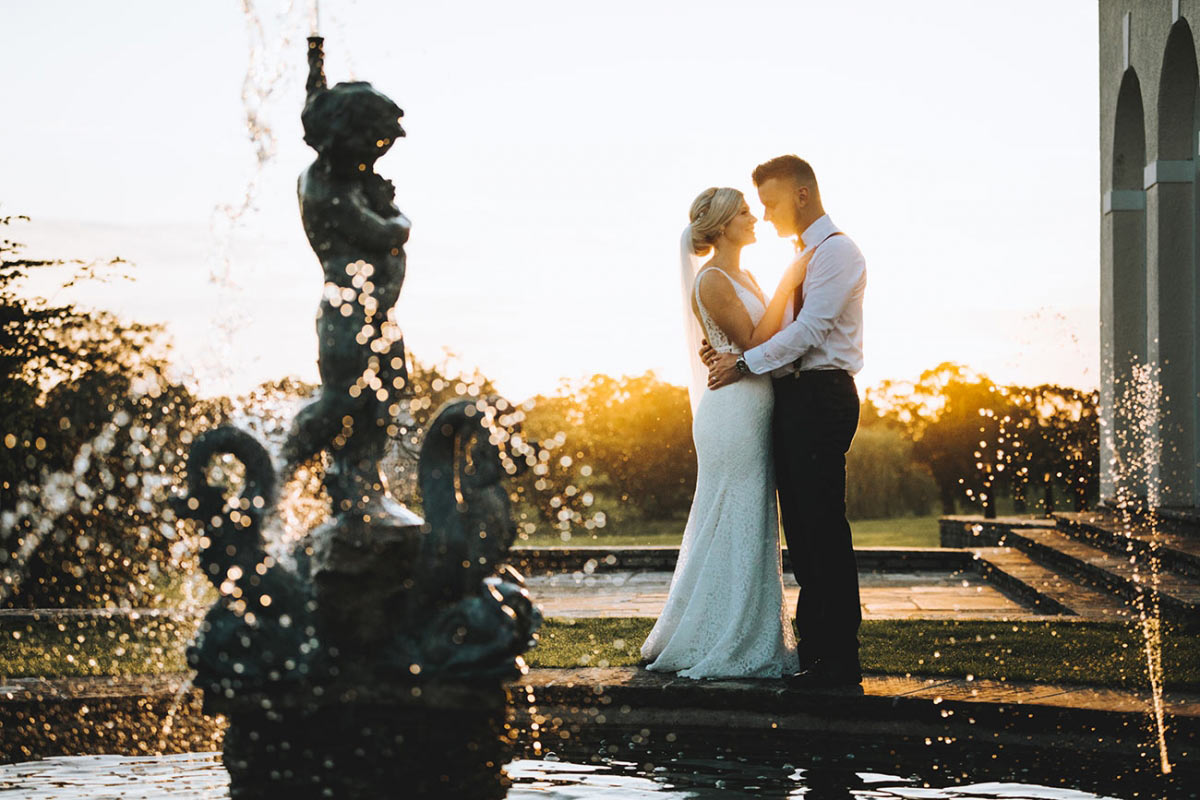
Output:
(684, 777)
(200, 776)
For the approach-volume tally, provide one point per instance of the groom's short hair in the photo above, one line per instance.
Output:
(793, 168)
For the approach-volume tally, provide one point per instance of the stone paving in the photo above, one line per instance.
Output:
(885, 595)
(973, 582)
(1044, 588)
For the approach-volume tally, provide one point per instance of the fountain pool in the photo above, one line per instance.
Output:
(629, 764)
(201, 776)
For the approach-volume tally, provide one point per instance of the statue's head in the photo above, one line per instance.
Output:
(351, 120)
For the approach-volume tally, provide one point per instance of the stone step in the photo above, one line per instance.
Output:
(1138, 537)
(976, 531)
(1177, 595)
(1180, 520)
(1015, 573)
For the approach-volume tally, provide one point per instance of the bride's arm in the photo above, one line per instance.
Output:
(772, 319)
(730, 315)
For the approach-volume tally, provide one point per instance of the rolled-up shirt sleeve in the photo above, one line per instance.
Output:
(836, 277)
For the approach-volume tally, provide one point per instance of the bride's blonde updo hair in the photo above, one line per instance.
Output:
(710, 213)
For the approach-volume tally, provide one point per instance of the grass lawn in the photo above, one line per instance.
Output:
(98, 646)
(1100, 654)
(897, 532)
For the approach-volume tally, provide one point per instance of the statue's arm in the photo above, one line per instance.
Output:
(316, 67)
(373, 229)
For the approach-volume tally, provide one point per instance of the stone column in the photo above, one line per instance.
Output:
(1171, 324)
(1122, 335)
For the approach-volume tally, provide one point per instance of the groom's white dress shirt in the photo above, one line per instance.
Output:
(828, 331)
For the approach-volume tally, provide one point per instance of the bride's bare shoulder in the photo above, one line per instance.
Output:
(716, 288)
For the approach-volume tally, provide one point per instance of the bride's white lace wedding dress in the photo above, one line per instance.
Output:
(724, 614)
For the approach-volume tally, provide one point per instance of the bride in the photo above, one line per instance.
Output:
(724, 614)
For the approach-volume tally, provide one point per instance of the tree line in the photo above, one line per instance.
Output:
(951, 441)
(1036, 446)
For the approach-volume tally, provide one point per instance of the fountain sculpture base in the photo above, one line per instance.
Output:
(374, 749)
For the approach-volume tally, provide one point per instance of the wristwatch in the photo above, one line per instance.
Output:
(741, 366)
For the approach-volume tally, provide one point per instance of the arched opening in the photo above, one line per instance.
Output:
(1171, 323)
(1123, 300)
(1177, 95)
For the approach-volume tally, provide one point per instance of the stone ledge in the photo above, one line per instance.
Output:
(50, 689)
(122, 716)
(539, 560)
(1070, 719)
(11, 618)
(127, 715)
(584, 682)
(653, 688)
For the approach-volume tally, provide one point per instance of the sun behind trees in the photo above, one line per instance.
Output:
(982, 442)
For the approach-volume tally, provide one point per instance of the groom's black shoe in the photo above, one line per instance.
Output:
(807, 662)
(822, 675)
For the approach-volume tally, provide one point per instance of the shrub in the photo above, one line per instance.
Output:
(883, 480)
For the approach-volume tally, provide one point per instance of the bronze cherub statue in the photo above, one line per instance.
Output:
(382, 643)
(358, 233)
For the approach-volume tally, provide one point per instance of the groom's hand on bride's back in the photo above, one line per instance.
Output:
(722, 370)
(722, 367)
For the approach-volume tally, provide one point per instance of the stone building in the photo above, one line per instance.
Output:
(1149, 141)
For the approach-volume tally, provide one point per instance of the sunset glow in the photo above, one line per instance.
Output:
(551, 158)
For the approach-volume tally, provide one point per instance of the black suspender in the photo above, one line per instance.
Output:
(798, 296)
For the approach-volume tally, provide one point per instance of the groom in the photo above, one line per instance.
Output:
(812, 362)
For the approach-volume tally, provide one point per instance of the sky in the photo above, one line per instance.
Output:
(553, 151)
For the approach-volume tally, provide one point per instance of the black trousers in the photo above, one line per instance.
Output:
(816, 415)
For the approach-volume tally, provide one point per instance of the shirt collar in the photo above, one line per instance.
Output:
(818, 231)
